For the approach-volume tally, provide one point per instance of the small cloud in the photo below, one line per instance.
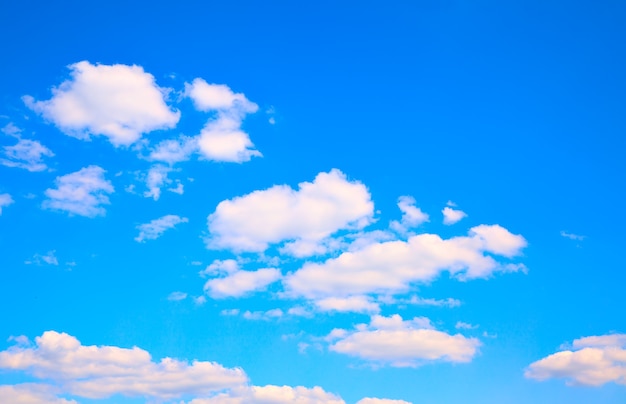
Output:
(177, 296)
(199, 300)
(412, 216)
(26, 154)
(263, 315)
(80, 193)
(11, 130)
(47, 259)
(451, 216)
(5, 200)
(272, 121)
(572, 236)
(154, 229)
(460, 325)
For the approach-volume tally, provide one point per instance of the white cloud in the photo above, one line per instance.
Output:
(572, 236)
(173, 151)
(118, 101)
(80, 193)
(49, 258)
(273, 395)
(395, 342)
(177, 296)
(222, 138)
(393, 266)
(156, 227)
(309, 215)
(412, 216)
(11, 130)
(420, 301)
(157, 178)
(451, 216)
(461, 325)
(369, 400)
(103, 371)
(263, 315)
(590, 361)
(5, 200)
(240, 283)
(356, 304)
(217, 267)
(26, 154)
(31, 393)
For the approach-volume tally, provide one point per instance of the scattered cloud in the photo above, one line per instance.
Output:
(356, 304)
(305, 216)
(572, 236)
(240, 283)
(47, 259)
(11, 130)
(589, 361)
(412, 216)
(451, 216)
(156, 227)
(222, 138)
(104, 371)
(369, 400)
(420, 301)
(157, 178)
(460, 325)
(5, 200)
(117, 101)
(80, 193)
(391, 267)
(263, 315)
(177, 296)
(26, 154)
(395, 342)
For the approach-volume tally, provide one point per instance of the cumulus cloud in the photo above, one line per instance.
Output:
(117, 101)
(31, 393)
(393, 266)
(222, 138)
(412, 216)
(451, 216)
(80, 193)
(239, 283)
(156, 227)
(103, 371)
(5, 200)
(26, 154)
(590, 361)
(395, 342)
(271, 394)
(307, 216)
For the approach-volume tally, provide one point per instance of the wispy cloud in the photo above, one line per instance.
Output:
(156, 227)
(5, 200)
(26, 154)
(572, 236)
(80, 193)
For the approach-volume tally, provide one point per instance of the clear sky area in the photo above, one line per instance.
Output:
(356, 202)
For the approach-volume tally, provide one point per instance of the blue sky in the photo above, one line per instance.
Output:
(281, 202)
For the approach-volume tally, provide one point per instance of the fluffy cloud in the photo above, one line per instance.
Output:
(103, 371)
(393, 341)
(451, 216)
(308, 215)
(31, 393)
(120, 102)
(591, 361)
(26, 154)
(273, 395)
(392, 266)
(412, 216)
(156, 227)
(5, 200)
(239, 283)
(80, 193)
(222, 138)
